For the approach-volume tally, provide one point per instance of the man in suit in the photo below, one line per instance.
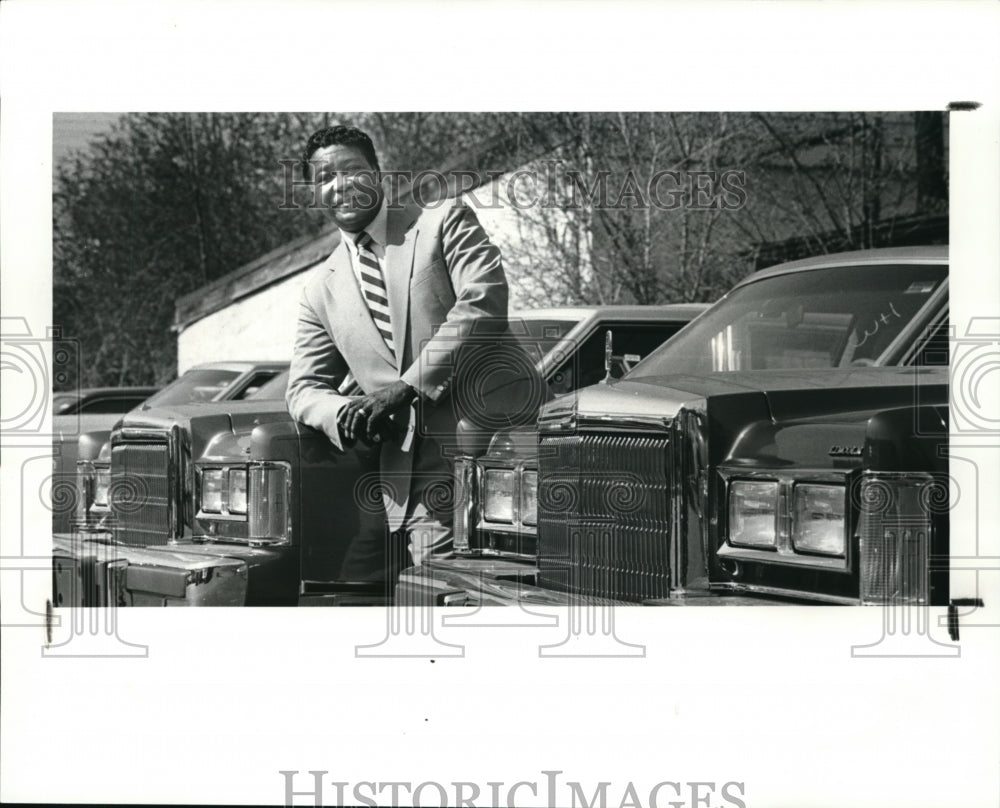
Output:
(394, 305)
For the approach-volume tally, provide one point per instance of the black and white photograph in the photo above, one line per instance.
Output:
(504, 364)
(516, 410)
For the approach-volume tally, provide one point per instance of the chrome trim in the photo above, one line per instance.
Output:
(833, 600)
(469, 463)
(627, 423)
(520, 496)
(584, 544)
(557, 422)
(687, 484)
(505, 527)
(494, 553)
(475, 508)
(180, 475)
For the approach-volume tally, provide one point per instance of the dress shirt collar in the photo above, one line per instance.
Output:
(376, 229)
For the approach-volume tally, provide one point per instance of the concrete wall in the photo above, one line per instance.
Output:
(261, 326)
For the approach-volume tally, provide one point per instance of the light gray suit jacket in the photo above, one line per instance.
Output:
(443, 278)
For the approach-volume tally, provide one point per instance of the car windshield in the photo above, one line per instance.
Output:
(192, 387)
(823, 318)
(539, 336)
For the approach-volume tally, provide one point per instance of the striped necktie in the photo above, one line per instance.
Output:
(373, 288)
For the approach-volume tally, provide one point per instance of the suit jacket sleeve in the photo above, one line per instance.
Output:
(480, 285)
(316, 371)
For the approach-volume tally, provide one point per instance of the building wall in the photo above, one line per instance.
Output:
(261, 326)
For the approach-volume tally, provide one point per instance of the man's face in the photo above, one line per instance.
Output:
(349, 188)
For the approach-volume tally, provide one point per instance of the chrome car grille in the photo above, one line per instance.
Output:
(603, 515)
(140, 492)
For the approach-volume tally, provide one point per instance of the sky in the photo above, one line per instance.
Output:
(74, 130)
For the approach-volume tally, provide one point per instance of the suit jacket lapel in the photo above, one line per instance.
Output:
(401, 238)
(353, 320)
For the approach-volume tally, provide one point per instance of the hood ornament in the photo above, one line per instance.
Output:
(628, 361)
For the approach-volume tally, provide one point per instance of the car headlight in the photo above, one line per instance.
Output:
(93, 483)
(818, 525)
(256, 495)
(529, 497)
(238, 491)
(753, 510)
(102, 484)
(212, 485)
(498, 496)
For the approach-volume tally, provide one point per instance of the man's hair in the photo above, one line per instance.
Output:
(338, 136)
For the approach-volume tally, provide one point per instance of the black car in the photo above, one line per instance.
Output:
(788, 444)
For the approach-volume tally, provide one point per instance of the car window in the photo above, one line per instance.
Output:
(539, 336)
(586, 366)
(276, 387)
(252, 386)
(271, 389)
(823, 318)
(192, 387)
(111, 404)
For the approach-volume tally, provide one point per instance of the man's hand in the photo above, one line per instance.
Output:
(368, 417)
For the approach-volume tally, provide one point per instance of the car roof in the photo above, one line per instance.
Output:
(667, 311)
(88, 392)
(932, 254)
(240, 365)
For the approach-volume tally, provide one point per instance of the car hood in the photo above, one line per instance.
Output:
(237, 412)
(222, 429)
(70, 427)
(845, 394)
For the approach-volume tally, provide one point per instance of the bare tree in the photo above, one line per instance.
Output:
(676, 207)
(628, 207)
